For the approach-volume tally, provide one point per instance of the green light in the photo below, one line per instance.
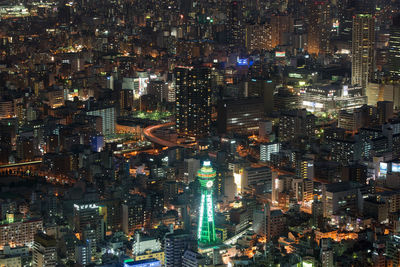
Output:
(206, 231)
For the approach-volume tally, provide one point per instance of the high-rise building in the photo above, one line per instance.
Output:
(193, 101)
(44, 251)
(235, 25)
(319, 27)
(394, 49)
(175, 245)
(363, 45)
(206, 226)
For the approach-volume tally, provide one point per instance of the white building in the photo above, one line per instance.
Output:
(141, 244)
(108, 117)
(266, 149)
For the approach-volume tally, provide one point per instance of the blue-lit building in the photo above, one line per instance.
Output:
(143, 263)
(97, 143)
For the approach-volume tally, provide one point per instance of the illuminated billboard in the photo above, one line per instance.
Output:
(395, 167)
(280, 54)
(383, 168)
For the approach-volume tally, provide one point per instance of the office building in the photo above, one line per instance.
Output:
(240, 116)
(266, 149)
(193, 101)
(340, 198)
(259, 178)
(363, 46)
(44, 251)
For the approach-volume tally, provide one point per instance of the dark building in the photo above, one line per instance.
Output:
(240, 115)
(193, 101)
(235, 25)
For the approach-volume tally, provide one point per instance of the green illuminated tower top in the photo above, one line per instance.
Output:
(206, 232)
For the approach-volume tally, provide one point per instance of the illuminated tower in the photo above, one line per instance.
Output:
(206, 232)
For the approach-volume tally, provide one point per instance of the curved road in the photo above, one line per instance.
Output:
(148, 132)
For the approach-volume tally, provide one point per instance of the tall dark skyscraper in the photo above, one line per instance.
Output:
(235, 25)
(193, 101)
(394, 49)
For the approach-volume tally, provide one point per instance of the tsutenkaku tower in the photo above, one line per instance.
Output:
(206, 231)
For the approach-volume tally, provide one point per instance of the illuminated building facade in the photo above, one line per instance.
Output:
(363, 45)
(327, 98)
(206, 226)
(19, 233)
(394, 49)
(193, 101)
